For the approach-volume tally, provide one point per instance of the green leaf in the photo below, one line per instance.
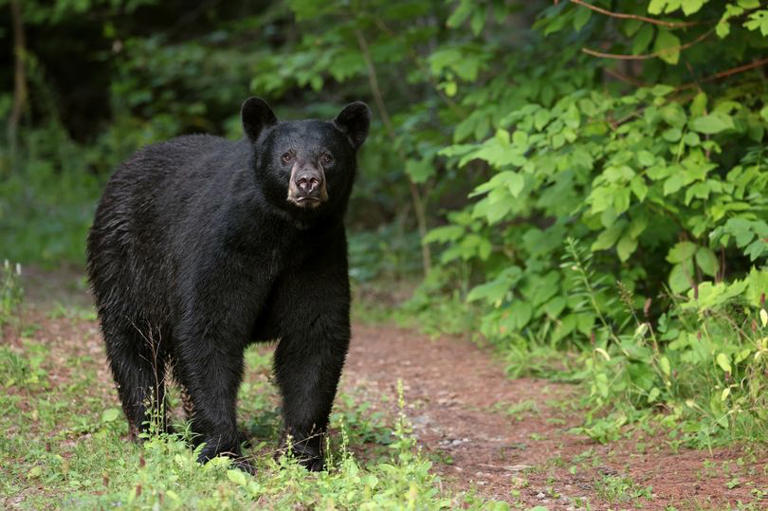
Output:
(758, 20)
(461, 13)
(444, 234)
(34, 472)
(626, 247)
(692, 6)
(639, 188)
(478, 20)
(608, 237)
(656, 6)
(419, 170)
(110, 415)
(581, 18)
(667, 46)
(665, 366)
(674, 115)
(707, 261)
(672, 134)
(680, 278)
(699, 105)
(691, 139)
(643, 38)
(522, 311)
(682, 251)
(724, 362)
(645, 158)
(712, 123)
(237, 476)
(495, 291)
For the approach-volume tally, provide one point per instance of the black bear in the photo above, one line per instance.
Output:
(201, 246)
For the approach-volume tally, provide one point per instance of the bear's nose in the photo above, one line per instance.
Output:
(307, 183)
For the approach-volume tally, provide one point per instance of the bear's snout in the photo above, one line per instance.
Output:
(307, 186)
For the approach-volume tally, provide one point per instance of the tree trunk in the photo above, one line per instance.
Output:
(418, 202)
(20, 80)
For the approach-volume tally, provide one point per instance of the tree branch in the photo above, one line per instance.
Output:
(418, 204)
(668, 24)
(645, 56)
(726, 73)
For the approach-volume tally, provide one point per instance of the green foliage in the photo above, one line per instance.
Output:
(11, 293)
(70, 470)
(634, 130)
(661, 177)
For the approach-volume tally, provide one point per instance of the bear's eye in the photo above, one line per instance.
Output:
(326, 159)
(287, 157)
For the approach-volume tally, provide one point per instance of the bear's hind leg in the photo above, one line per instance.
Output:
(138, 361)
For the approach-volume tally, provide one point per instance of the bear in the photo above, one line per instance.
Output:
(201, 246)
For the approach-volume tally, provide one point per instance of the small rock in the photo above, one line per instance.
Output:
(540, 495)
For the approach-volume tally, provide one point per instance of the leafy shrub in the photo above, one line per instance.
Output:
(665, 185)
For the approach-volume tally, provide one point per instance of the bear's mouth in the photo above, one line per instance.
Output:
(306, 201)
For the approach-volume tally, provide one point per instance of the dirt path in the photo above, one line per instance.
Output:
(485, 433)
(509, 440)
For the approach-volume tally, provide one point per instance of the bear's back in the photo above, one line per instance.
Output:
(144, 203)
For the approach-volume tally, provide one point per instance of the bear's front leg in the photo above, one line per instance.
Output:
(308, 366)
(210, 365)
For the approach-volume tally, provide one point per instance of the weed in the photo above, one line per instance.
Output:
(11, 293)
(621, 489)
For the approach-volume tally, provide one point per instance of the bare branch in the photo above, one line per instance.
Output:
(645, 56)
(727, 72)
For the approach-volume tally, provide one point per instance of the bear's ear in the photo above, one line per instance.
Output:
(256, 116)
(354, 121)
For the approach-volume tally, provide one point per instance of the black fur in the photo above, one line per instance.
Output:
(196, 251)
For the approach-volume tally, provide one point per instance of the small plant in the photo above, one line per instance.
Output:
(11, 292)
(621, 489)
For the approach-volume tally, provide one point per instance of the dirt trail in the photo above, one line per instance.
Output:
(485, 433)
(508, 439)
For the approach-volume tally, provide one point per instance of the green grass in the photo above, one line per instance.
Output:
(65, 447)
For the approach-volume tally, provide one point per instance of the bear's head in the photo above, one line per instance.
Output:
(305, 168)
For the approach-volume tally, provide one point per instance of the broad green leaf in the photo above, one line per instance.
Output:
(680, 278)
(608, 237)
(419, 170)
(724, 362)
(643, 38)
(639, 188)
(656, 6)
(699, 105)
(580, 18)
(712, 123)
(758, 20)
(672, 134)
(460, 14)
(682, 251)
(692, 6)
(237, 476)
(444, 234)
(707, 261)
(626, 247)
(691, 139)
(674, 115)
(110, 415)
(667, 46)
